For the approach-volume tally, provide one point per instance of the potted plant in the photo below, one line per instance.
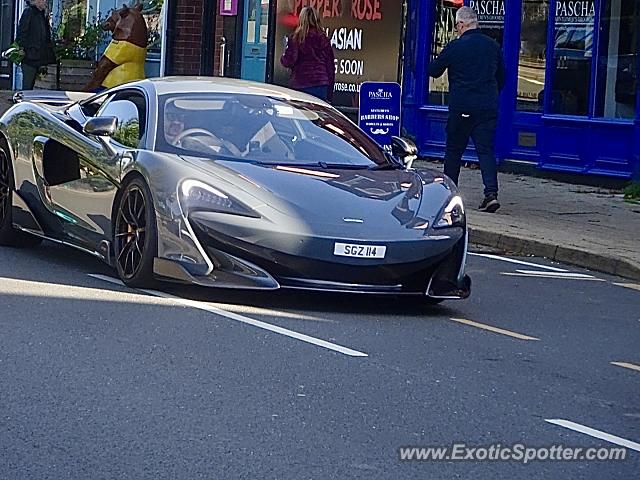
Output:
(76, 46)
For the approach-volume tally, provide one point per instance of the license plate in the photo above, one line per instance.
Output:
(359, 251)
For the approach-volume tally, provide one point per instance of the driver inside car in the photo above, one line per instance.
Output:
(179, 133)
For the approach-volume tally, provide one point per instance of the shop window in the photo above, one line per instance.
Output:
(491, 17)
(617, 80)
(444, 31)
(257, 25)
(532, 59)
(572, 56)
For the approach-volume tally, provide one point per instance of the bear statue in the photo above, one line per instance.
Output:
(123, 60)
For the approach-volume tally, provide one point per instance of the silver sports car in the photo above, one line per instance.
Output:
(228, 183)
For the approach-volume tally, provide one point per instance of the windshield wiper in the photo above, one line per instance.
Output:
(345, 166)
(325, 165)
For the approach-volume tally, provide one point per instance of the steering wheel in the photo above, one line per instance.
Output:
(192, 131)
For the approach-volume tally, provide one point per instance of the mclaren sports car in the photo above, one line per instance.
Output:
(230, 184)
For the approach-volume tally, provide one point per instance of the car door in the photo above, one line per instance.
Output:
(85, 197)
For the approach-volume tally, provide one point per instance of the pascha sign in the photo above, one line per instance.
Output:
(578, 12)
(489, 11)
(365, 35)
(379, 114)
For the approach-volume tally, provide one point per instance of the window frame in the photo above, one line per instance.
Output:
(143, 119)
(593, 73)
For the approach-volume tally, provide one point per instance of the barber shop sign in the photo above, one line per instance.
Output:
(379, 113)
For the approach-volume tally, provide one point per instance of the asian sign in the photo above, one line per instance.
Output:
(379, 116)
(365, 35)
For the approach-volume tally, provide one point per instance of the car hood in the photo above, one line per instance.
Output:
(369, 200)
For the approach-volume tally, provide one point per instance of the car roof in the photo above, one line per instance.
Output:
(178, 85)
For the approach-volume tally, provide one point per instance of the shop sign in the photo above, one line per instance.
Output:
(575, 12)
(365, 35)
(379, 115)
(489, 11)
(228, 7)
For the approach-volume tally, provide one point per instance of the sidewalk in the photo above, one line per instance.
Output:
(584, 226)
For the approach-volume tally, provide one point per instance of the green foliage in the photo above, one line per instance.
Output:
(76, 39)
(128, 134)
(632, 192)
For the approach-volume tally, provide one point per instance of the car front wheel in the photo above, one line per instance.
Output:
(135, 235)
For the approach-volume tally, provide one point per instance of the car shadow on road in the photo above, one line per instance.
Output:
(59, 264)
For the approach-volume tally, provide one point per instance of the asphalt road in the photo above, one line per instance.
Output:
(98, 381)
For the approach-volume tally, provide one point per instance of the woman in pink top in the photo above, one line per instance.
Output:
(310, 57)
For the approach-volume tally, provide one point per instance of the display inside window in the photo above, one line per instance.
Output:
(617, 79)
(532, 58)
(572, 56)
(491, 17)
(444, 31)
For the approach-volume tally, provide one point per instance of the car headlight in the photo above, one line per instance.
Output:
(198, 196)
(452, 215)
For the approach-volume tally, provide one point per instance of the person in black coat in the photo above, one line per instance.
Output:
(34, 37)
(476, 76)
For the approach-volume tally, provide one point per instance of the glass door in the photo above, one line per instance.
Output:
(254, 48)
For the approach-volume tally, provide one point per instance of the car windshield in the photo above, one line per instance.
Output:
(263, 129)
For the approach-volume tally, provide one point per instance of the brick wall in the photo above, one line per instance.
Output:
(187, 42)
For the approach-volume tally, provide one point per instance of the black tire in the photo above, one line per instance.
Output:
(9, 236)
(135, 237)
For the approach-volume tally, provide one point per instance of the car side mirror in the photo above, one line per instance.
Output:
(404, 149)
(103, 128)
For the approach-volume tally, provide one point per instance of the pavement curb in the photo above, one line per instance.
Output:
(523, 246)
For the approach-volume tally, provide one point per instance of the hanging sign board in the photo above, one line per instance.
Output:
(379, 114)
(228, 7)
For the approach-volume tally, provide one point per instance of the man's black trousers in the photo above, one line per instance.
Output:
(480, 125)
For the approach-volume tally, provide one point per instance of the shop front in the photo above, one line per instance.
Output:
(571, 98)
(570, 103)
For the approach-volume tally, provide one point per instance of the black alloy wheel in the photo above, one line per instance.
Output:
(135, 237)
(9, 236)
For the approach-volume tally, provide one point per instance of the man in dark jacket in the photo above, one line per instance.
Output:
(476, 76)
(34, 36)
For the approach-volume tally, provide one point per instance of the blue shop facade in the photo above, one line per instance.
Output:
(571, 101)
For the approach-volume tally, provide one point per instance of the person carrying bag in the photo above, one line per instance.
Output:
(34, 38)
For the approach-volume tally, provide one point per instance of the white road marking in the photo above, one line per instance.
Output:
(493, 329)
(550, 275)
(630, 366)
(519, 262)
(241, 318)
(557, 274)
(623, 442)
(633, 286)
